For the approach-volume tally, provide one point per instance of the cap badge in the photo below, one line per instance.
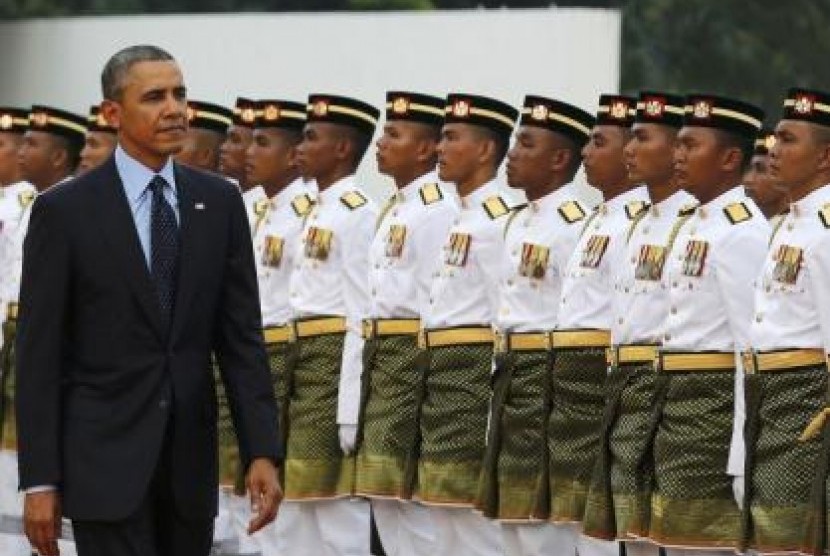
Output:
(101, 121)
(271, 112)
(400, 105)
(461, 109)
(248, 115)
(539, 112)
(769, 142)
(191, 114)
(619, 110)
(702, 109)
(320, 108)
(6, 121)
(40, 119)
(654, 107)
(803, 104)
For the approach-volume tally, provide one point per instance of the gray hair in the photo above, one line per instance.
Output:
(116, 69)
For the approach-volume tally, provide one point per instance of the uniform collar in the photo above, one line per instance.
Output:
(554, 199)
(734, 195)
(481, 194)
(812, 202)
(618, 203)
(336, 190)
(410, 190)
(296, 187)
(673, 203)
(254, 193)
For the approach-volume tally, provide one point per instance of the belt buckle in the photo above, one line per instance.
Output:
(368, 329)
(422, 338)
(749, 361)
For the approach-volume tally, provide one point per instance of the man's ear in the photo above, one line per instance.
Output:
(111, 111)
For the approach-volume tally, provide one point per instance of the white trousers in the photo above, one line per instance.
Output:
(461, 531)
(539, 539)
(337, 527)
(405, 528)
(589, 546)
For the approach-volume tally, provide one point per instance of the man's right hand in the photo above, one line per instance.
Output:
(42, 521)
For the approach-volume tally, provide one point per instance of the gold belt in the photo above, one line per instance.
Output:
(318, 326)
(522, 341)
(619, 355)
(440, 337)
(11, 311)
(580, 338)
(373, 328)
(781, 360)
(277, 334)
(682, 362)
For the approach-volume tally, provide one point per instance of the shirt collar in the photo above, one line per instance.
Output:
(411, 189)
(812, 202)
(296, 187)
(484, 192)
(136, 176)
(618, 203)
(673, 203)
(337, 189)
(554, 199)
(733, 195)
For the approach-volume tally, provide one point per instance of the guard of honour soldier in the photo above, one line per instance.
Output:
(494, 378)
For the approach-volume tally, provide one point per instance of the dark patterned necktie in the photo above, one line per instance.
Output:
(164, 248)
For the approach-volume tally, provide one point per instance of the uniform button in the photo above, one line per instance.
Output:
(645, 230)
(431, 301)
(374, 291)
(633, 260)
(377, 265)
(627, 289)
(759, 317)
(620, 320)
(674, 310)
(674, 284)
(510, 282)
(667, 337)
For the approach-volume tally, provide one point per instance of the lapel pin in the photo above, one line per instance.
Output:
(200, 206)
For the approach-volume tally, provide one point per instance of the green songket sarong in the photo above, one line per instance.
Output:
(579, 377)
(453, 422)
(693, 503)
(388, 423)
(513, 485)
(781, 470)
(618, 505)
(8, 427)
(315, 467)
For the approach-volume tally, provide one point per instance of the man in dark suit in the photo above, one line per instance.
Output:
(133, 275)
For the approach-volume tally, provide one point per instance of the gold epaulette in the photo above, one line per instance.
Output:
(495, 207)
(571, 212)
(430, 193)
(737, 212)
(634, 208)
(25, 198)
(687, 210)
(824, 215)
(302, 204)
(353, 199)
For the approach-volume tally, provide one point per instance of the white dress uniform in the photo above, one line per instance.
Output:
(464, 291)
(400, 272)
(587, 298)
(709, 279)
(336, 286)
(14, 199)
(539, 242)
(641, 303)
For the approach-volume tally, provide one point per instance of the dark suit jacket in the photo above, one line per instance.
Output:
(100, 383)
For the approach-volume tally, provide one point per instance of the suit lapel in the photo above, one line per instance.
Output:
(118, 226)
(190, 231)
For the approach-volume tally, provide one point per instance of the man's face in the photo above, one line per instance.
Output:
(529, 160)
(760, 185)
(9, 162)
(270, 159)
(649, 152)
(602, 157)
(397, 148)
(152, 113)
(458, 152)
(698, 160)
(794, 159)
(316, 155)
(98, 146)
(37, 158)
(232, 152)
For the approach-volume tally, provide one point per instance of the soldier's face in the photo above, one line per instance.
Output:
(649, 152)
(796, 156)
(9, 163)
(317, 154)
(151, 115)
(401, 147)
(602, 157)
(760, 185)
(233, 150)
(699, 160)
(189, 152)
(271, 159)
(98, 146)
(530, 161)
(38, 158)
(459, 152)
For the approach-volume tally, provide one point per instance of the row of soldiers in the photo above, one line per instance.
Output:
(529, 379)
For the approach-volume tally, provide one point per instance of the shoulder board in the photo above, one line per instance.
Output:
(737, 212)
(824, 215)
(25, 198)
(302, 204)
(687, 210)
(261, 206)
(353, 199)
(430, 193)
(495, 207)
(634, 208)
(571, 212)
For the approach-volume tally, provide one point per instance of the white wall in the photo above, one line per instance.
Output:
(572, 54)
